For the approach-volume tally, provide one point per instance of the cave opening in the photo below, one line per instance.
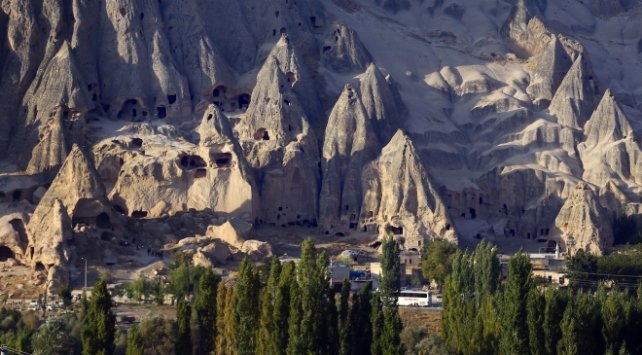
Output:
(190, 162)
(161, 112)
(139, 214)
(394, 230)
(6, 253)
(219, 91)
(171, 99)
(262, 134)
(222, 160)
(244, 101)
(200, 173)
(102, 221)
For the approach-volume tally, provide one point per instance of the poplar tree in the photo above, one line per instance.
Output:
(514, 339)
(183, 319)
(555, 304)
(568, 343)
(247, 308)
(221, 304)
(390, 285)
(295, 345)
(363, 327)
(231, 323)
(98, 333)
(377, 321)
(589, 324)
(267, 326)
(312, 277)
(344, 326)
(535, 320)
(616, 309)
(205, 311)
(282, 308)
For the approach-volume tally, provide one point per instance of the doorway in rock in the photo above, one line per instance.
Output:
(6, 253)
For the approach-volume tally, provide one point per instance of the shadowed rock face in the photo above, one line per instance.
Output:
(423, 119)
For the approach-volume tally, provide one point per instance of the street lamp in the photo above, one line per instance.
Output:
(85, 288)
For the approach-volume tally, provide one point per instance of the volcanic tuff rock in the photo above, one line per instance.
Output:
(146, 180)
(350, 143)
(343, 50)
(241, 109)
(399, 197)
(611, 149)
(583, 223)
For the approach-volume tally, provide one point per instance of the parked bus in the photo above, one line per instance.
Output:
(416, 298)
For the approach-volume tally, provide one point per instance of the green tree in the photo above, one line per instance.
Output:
(98, 334)
(295, 344)
(312, 277)
(331, 336)
(267, 326)
(437, 260)
(554, 307)
(377, 321)
(287, 279)
(53, 338)
(360, 320)
(568, 343)
(221, 305)
(514, 339)
(390, 285)
(344, 326)
(231, 323)
(589, 324)
(135, 342)
(535, 320)
(65, 295)
(247, 308)
(205, 311)
(616, 311)
(183, 320)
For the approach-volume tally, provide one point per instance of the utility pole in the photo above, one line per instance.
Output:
(85, 288)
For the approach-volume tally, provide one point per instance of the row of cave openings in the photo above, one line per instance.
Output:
(228, 102)
(197, 164)
(132, 110)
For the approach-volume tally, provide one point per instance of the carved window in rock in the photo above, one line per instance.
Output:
(222, 160)
(191, 162)
(261, 134)
(6, 253)
(243, 101)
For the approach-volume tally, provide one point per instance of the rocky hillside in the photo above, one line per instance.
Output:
(421, 118)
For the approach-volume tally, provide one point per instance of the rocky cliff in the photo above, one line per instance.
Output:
(511, 121)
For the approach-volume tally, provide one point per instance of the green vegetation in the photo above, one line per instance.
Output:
(483, 316)
(437, 260)
(98, 332)
(272, 309)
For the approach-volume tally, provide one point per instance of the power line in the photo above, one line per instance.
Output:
(4, 349)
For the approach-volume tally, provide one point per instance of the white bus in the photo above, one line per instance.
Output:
(415, 298)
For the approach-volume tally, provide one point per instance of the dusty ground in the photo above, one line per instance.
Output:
(421, 317)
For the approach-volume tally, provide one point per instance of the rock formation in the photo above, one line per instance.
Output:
(279, 144)
(343, 50)
(583, 223)
(611, 150)
(382, 102)
(574, 100)
(350, 143)
(146, 180)
(400, 199)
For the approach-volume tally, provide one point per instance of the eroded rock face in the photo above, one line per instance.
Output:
(343, 50)
(146, 180)
(574, 100)
(382, 101)
(13, 237)
(583, 223)
(400, 199)
(350, 143)
(611, 149)
(281, 147)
